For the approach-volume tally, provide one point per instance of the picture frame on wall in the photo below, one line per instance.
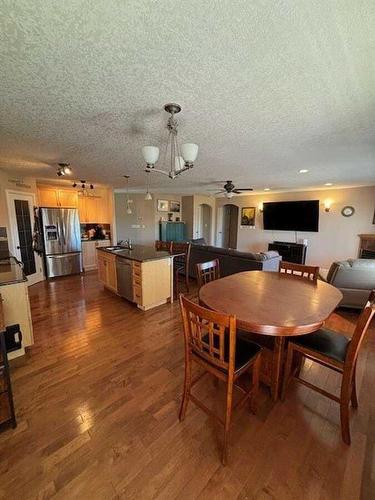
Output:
(163, 206)
(175, 206)
(248, 216)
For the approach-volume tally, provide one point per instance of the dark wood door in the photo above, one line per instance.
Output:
(230, 226)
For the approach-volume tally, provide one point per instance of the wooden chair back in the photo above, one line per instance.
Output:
(359, 334)
(306, 272)
(181, 247)
(205, 335)
(207, 271)
(163, 245)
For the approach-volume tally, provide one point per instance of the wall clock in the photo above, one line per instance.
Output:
(347, 211)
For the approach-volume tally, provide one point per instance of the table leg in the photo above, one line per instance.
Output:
(172, 279)
(277, 367)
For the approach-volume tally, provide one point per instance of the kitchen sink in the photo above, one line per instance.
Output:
(115, 248)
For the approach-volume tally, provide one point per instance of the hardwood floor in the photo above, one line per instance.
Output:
(97, 403)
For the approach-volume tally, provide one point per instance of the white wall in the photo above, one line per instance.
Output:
(337, 238)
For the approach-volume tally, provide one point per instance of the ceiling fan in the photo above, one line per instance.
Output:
(229, 189)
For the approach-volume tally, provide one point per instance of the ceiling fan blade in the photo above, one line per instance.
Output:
(244, 189)
(237, 191)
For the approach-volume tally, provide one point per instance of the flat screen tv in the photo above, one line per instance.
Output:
(291, 216)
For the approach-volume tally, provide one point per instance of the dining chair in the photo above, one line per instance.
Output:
(163, 245)
(181, 263)
(207, 271)
(333, 350)
(210, 342)
(306, 272)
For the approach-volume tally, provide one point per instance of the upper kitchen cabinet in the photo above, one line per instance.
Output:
(95, 209)
(53, 197)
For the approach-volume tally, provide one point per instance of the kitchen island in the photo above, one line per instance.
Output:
(142, 275)
(15, 301)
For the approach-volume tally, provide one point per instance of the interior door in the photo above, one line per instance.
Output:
(230, 226)
(21, 228)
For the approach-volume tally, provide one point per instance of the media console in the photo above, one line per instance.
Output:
(291, 252)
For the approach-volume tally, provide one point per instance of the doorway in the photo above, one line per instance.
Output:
(205, 222)
(230, 226)
(21, 228)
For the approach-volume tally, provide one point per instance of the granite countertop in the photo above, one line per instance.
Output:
(139, 253)
(11, 271)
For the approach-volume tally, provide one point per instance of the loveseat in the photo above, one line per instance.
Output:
(355, 278)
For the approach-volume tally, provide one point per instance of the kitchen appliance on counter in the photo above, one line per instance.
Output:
(61, 241)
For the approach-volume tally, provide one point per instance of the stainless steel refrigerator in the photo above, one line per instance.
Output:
(62, 241)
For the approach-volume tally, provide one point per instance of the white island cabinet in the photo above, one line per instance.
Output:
(15, 302)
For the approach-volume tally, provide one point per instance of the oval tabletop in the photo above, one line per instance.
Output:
(272, 303)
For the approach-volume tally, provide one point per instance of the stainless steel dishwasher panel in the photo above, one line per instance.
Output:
(124, 278)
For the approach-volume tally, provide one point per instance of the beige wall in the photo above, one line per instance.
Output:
(144, 214)
(190, 205)
(337, 238)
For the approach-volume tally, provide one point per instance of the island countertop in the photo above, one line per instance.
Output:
(140, 253)
(11, 271)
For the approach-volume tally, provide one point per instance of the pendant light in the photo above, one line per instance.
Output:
(128, 207)
(148, 196)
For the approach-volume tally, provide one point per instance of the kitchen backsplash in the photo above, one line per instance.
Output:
(88, 229)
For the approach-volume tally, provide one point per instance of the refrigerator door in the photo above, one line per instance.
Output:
(63, 264)
(51, 230)
(70, 232)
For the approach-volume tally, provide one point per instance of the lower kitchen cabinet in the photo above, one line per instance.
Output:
(146, 283)
(89, 253)
(107, 270)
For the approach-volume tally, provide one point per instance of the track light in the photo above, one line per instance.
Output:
(64, 169)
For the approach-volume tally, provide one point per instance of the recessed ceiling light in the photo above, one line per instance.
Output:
(328, 184)
(267, 189)
(303, 171)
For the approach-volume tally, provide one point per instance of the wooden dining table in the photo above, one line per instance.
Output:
(270, 307)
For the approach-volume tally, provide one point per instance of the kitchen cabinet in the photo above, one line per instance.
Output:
(107, 270)
(94, 209)
(147, 283)
(56, 198)
(89, 253)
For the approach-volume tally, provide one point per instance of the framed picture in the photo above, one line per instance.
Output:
(163, 206)
(248, 216)
(175, 206)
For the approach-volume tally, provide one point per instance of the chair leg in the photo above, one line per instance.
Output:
(187, 388)
(345, 426)
(187, 280)
(288, 369)
(228, 416)
(176, 288)
(255, 385)
(353, 395)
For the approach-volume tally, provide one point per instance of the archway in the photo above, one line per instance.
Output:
(205, 222)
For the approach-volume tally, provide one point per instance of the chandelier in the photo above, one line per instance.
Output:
(180, 159)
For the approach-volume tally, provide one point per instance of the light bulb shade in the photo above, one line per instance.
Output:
(179, 163)
(129, 210)
(67, 170)
(150, 154)
(148, 196)
(189, 152)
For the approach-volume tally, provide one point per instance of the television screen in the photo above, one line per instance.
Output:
(292, 216)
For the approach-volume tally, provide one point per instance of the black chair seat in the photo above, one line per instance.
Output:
(325, 342)
(245, 350)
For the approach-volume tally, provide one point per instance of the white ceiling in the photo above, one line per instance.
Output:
(267, 88)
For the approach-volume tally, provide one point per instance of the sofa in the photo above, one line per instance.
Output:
(355, 278)
(232, 261)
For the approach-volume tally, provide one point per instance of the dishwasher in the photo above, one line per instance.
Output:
(124, 278)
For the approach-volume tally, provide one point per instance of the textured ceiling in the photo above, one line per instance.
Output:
(267, 88)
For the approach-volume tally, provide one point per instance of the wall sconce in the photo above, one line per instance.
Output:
(260, 206)
(327, 205)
